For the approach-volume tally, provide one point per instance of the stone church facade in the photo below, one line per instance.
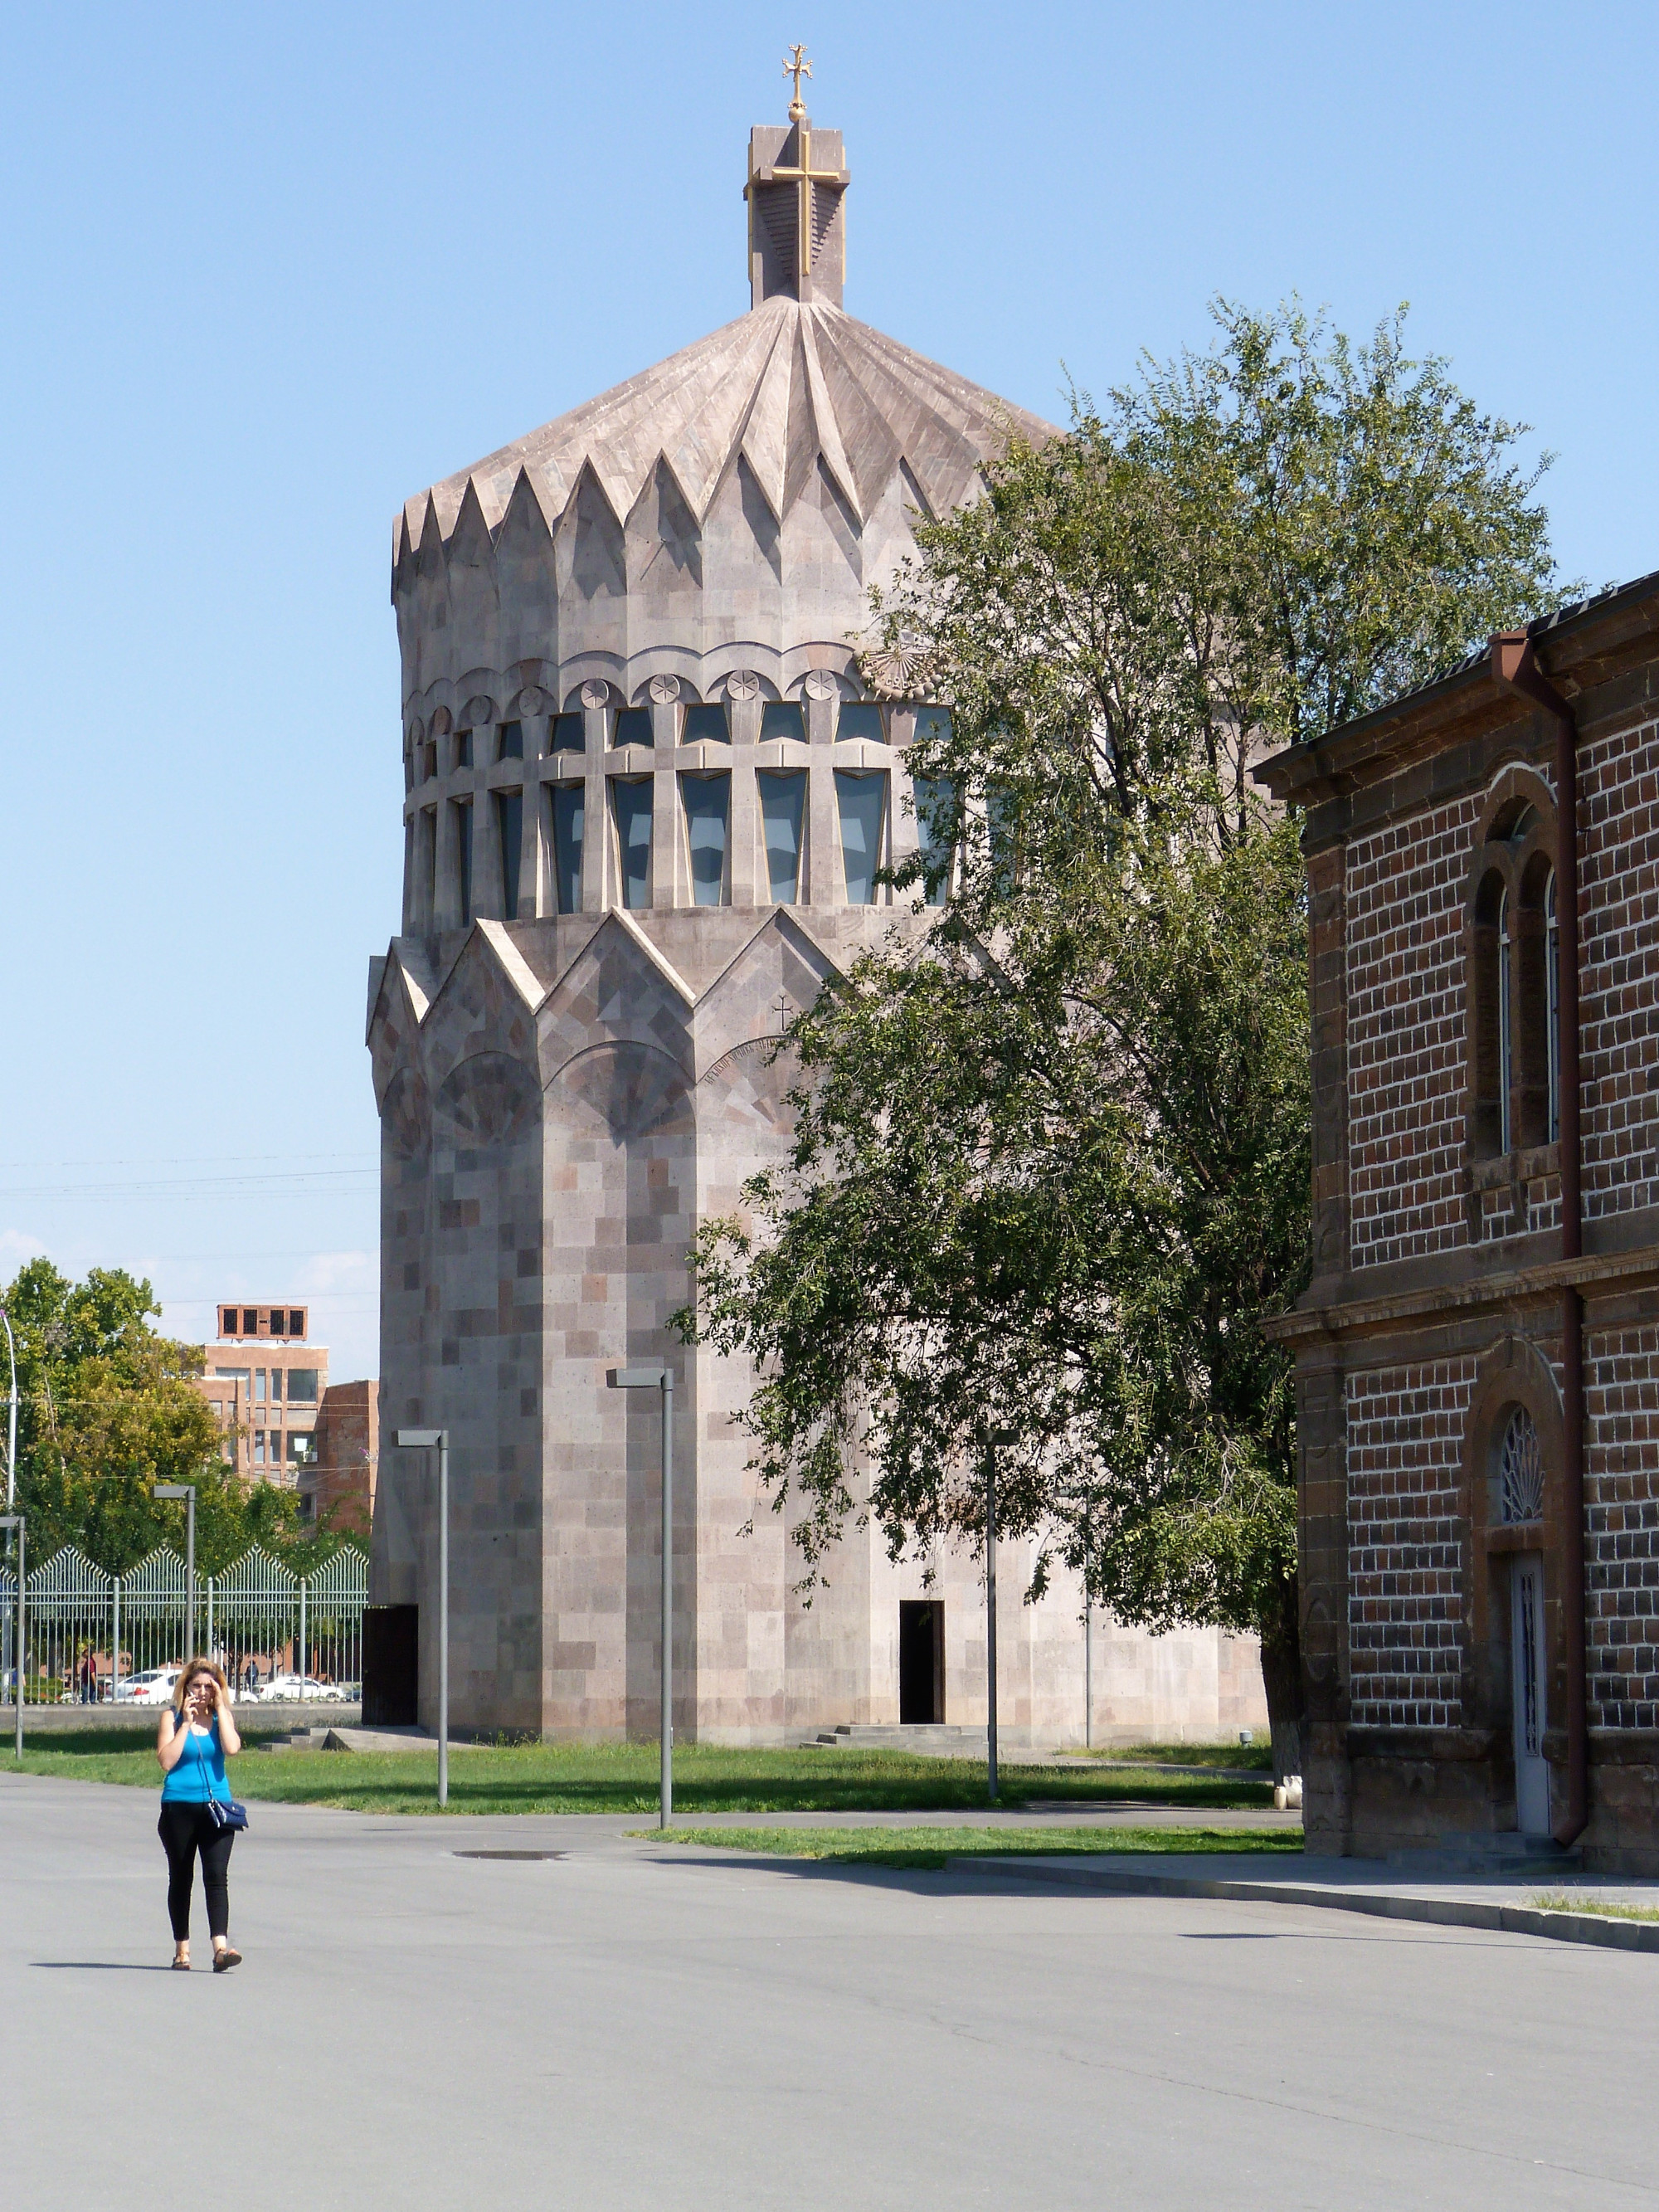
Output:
(647, 796)
(1478, 1354)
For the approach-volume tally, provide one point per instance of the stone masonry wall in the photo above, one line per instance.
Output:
(1405, 888)
(1619, 899)
(1621, 1562)
(1406, 1613)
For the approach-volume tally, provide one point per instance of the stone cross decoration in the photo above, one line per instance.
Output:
(782, 1009)
(795, 64)
(804, 176)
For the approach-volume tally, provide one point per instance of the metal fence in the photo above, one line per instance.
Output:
(93, 1639)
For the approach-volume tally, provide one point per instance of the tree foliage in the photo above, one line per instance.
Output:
(107, 1407)
(1051, 1163)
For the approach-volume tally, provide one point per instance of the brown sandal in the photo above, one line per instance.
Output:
(225, 1959)
(181, 1965)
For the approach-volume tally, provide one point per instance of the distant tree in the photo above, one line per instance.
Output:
(1051, 1165)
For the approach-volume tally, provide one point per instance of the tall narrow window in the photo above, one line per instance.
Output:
(428, 849)
(861, 801)
(634, 726)
(568, 845)
(782, 806)
(463, 749)
(1552, 1007)
(509, 828)
(782, 717)
(935, 809)
(1505, 1035)
(511, 743)
(630, 799)
(464, 856)
(860, 718)
(707, 802)
(706, 724)
(568, 736)
(1521, 1469)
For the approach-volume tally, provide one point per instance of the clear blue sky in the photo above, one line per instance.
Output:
(264, 272)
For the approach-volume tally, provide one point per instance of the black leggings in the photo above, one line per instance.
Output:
(186, 1829)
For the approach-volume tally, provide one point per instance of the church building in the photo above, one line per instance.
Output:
(1478, 1353)
(648, 797)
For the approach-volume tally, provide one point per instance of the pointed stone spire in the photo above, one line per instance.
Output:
(796, 227)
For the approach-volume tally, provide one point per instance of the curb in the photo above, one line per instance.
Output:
(1443, 1912)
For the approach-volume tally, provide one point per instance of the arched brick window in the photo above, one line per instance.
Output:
(1511, 986)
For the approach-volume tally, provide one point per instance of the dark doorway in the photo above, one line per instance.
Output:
(392, 1647)
(921, 1660)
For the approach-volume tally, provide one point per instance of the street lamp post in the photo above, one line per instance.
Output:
(11, 1419)
(661, 1379)
(991, 1616)
(14, 1522)
(187, 1490)
(438, 1440)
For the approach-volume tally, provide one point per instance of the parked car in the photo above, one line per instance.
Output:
(153, 1688)
(295, 1689)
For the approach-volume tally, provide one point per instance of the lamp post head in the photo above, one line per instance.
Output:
(174, 1490)
(421, 1439)
(11, 1520)
(638, 1378)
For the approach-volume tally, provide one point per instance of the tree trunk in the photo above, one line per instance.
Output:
(1281, 1675)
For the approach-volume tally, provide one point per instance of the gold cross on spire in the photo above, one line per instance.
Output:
(797, 66)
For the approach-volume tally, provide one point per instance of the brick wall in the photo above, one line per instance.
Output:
(1405, 1428)
(1621, 1543)
(1619, 902)
(1407, 886)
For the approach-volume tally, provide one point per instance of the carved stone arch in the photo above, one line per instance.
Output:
(488, 1099)
(1517, 787)
(442, 722)
(623, 1088)
(749, 1084)
(1512, 1374)
(406, 1117)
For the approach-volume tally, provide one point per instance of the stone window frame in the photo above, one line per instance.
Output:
(1512, 864)
(1512, 1373)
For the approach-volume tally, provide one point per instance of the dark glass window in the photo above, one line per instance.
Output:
(512, 744)
(568, 736)
(279, 1320)
(862, 718)
(229, 1328)
(509, 828)
(935, 805)
(250, 1321)
(276, 1384)
(634, 726)
(567, 845)
(706, 726)
(631, 799)
(780, 717)
(464, 855)
(932, 722)
(296, 1324)
(303, 1386)
(861, 801)
(783, 805)
(708, 801)
(463, 749)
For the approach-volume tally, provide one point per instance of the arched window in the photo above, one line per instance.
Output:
(1521, 1470)
(1552, 1007)
(1506, 1034)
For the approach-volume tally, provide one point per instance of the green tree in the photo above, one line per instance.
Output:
(1051, 1162)
(107, 1407)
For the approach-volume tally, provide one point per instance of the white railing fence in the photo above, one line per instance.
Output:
(93, 1638)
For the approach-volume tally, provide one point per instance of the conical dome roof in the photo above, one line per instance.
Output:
(789, 386)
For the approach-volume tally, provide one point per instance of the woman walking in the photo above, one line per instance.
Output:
(197, 1734)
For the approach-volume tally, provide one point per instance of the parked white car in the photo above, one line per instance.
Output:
(295, 1689)
(153, 1688)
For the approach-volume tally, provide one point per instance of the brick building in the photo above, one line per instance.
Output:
(1478, 1353)
(266, 1382)
(337, 1483)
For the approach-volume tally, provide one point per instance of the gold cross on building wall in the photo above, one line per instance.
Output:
(803, 178)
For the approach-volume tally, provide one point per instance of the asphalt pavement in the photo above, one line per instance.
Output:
(634, 2025)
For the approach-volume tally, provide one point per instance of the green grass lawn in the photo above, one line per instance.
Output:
(1600, 1908)
(1200, 1755)
(622, 1779)
(937, 1847)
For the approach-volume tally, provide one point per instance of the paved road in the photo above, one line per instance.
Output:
(639, 2026)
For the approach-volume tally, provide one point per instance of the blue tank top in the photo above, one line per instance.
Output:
(200, 1772)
